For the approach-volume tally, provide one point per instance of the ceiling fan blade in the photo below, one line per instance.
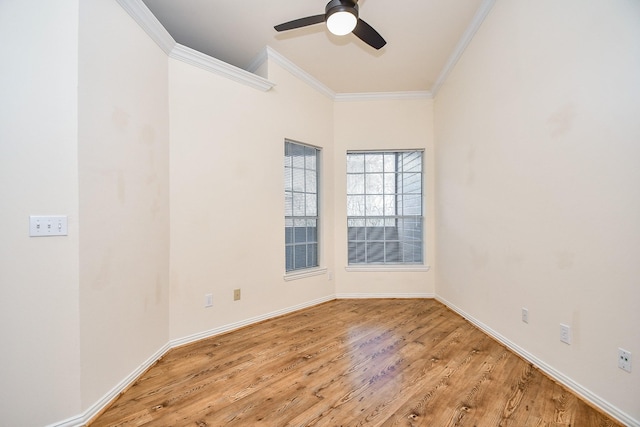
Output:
(367, 34)
(298, 23)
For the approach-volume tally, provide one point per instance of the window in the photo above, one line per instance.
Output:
(301, 166)
(384, 207)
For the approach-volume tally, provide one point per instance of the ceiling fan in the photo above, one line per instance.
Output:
(342, 18)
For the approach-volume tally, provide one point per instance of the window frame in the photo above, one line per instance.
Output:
(367, 262)
(308, 269)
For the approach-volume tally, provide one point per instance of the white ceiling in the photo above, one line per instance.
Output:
(421, 35)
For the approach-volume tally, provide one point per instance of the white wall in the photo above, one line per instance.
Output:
(373, 125)
(39, 319)
(227, 206)
(538, 185)
(124, 197)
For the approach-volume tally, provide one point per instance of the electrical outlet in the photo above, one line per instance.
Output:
(525, 315)
(236, 294)
(624, 359)
(565, 333)
(208, 300)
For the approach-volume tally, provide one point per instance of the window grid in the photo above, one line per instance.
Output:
(301, 206)
(384, 207)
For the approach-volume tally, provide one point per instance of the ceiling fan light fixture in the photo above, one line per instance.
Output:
(341, 16)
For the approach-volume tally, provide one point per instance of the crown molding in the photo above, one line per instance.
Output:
(206, 62)
(149, 23)
(154, 29)
(381, 96)
(476, 22)
(269, 53)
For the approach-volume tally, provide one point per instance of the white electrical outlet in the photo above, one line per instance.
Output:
(45, 226)
(525, 315)
(624, 359)
(208, 300)
(565, 333)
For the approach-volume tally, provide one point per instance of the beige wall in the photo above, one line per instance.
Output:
(123, 150)
(535, 195)
(227, 206)
(373, 125)
(39, 319)
(538, 186)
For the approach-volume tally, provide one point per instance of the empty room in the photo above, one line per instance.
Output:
(236, 213)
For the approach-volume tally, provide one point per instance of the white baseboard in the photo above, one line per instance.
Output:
(384, 295)
(95, 409)
(575, 387)
(232, 326)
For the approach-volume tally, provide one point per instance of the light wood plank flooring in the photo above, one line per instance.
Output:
(382, 362)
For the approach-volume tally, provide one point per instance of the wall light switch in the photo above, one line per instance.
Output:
(45, 226)
(565, 333)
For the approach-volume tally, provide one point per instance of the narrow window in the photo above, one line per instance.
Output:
(301, 171)
(384, 207)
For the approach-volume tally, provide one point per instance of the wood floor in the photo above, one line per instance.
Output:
(350, 363)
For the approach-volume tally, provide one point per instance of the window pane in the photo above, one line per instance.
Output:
(392, 252)
(312, 205)
(298, 179)
(355, 184)
(389, 162)
(300, 256)
(311, 186)
(373, 163)
(374, 183)
(391, 233)
(411, 205)
(375, 233)
(300, 234)
(357, 253)
(390, 205)
(411, 183)
(355, 163)
(389, 183)
(355, 205)
(374, 205)
(298, 204)
(375, 252)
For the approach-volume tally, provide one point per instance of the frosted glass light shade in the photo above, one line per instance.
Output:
(341, 23)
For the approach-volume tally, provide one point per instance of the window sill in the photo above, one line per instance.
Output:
(295, 275)
(383, 268)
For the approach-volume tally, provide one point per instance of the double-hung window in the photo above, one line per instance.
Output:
(385, 207)
(301, 169)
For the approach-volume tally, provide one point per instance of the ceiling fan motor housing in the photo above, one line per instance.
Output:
(335, 6)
